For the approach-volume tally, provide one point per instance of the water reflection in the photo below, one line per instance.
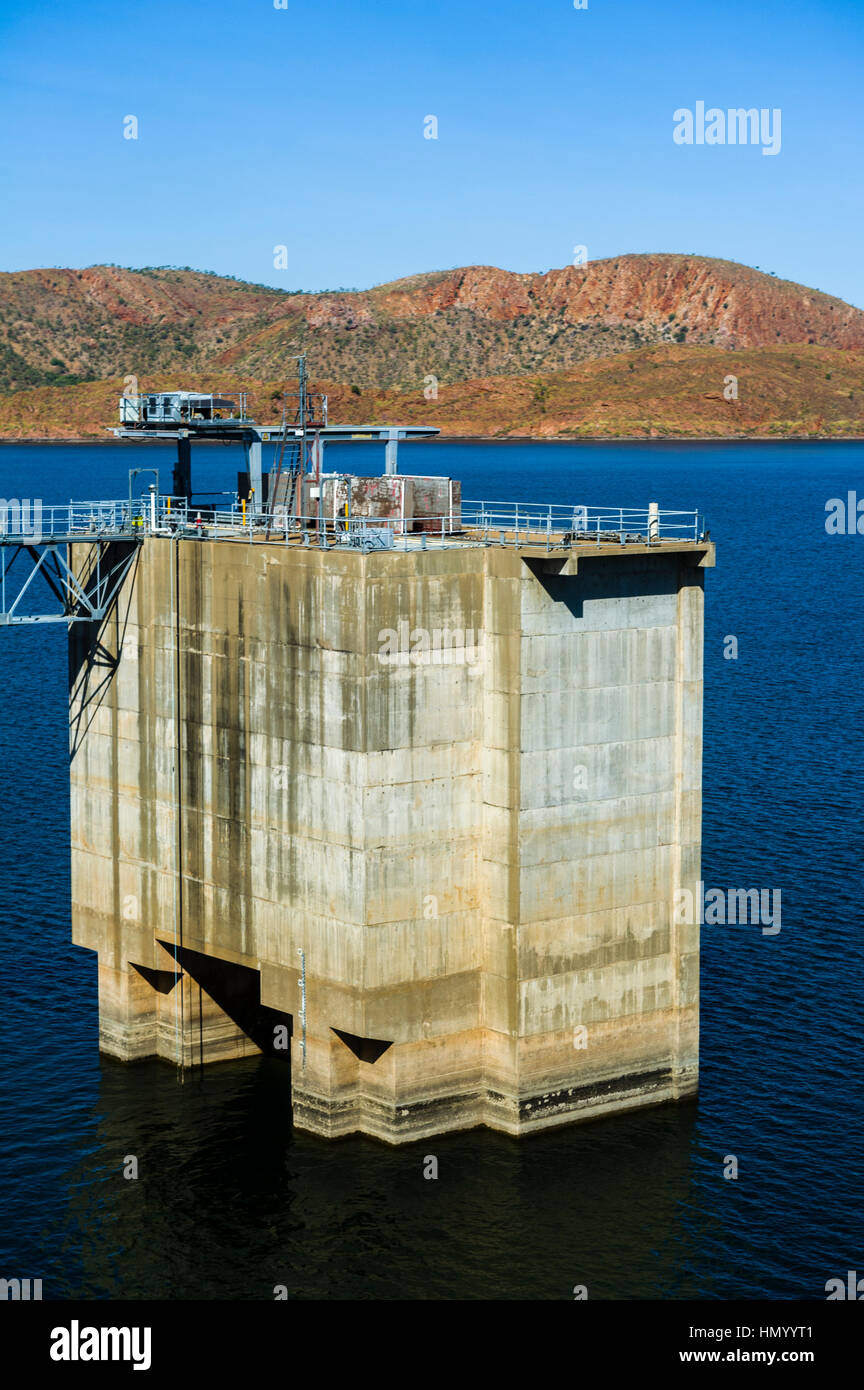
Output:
(230, 1202)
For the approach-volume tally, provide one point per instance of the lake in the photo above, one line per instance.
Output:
(230, 1202)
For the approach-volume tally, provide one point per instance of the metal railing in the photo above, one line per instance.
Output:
(183, 407)
(316, 404)
(471, 523)
(582, 522)
(35, 523)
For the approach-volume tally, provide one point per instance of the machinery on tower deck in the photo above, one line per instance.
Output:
(293, 486)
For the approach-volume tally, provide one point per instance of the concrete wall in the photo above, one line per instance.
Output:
(464, 782)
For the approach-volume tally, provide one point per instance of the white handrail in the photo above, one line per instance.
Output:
(471, 522)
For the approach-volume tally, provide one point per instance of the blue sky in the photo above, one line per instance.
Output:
(261, 127)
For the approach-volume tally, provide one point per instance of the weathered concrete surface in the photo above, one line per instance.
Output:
(474, 838)
(417, 503)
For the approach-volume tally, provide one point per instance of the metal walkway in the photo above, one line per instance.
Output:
(114, 530)
(33, 556)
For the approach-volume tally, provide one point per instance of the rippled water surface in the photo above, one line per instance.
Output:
(230, 1202)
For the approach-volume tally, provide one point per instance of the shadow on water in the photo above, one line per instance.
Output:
(230, 1202)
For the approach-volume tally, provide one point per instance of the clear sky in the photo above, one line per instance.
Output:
(303, 127)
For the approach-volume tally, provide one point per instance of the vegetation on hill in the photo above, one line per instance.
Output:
(665, 392)
(631, 345)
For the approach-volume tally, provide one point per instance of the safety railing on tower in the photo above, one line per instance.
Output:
(494, 523)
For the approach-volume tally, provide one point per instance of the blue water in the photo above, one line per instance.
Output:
(230, 1203)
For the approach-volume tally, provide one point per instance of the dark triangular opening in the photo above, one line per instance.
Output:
(161, 980)
(237, 991)
(366, 1049)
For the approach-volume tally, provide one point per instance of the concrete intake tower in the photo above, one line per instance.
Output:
(406, 809)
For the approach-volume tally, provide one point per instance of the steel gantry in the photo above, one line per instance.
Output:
(34, 557)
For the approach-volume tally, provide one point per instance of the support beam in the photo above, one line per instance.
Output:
(252, 455)
(317, 456)
(83, 594)
(391, 464)
(182, 483)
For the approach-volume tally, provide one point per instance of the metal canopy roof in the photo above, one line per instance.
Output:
(237, 429)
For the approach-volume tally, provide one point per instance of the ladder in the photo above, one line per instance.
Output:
(284, 476)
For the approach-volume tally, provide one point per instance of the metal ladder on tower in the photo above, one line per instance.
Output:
(284, 478)
(296, 455)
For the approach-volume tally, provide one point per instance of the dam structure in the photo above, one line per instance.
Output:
(394, 787)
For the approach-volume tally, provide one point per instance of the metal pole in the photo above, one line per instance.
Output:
(302, 954)
(391, 464)
(174, 554)
(301, 471)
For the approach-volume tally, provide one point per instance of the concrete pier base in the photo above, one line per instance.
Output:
(149, 1013)
(413, 821)
(398, 1118)
(417, 1090)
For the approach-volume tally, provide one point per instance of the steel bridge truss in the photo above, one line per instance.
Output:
(85, 597)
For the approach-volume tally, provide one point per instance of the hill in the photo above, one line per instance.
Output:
(666, 392)
(630, 344)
